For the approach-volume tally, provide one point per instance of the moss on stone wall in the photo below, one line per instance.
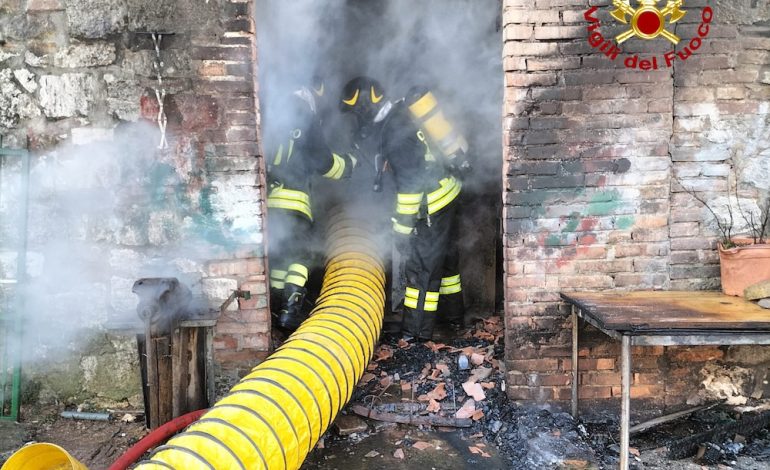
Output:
(101, 370)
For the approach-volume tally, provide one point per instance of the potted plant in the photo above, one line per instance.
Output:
(744, 260)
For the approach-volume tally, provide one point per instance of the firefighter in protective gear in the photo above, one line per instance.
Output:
(411, 132)
(303, 154)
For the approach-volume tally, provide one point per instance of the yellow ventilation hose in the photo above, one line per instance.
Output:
(274, 416)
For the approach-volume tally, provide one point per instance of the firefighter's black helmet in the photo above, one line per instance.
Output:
(364, 97)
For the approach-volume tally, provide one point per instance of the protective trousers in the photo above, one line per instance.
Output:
(290, 238)
(432, 275)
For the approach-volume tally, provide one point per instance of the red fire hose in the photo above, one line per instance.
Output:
(158, 436)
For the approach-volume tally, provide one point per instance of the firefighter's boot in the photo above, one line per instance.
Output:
(452, 310)
(292, 314)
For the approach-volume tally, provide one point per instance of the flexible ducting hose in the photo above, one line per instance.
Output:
(157, 436)
(274, 416)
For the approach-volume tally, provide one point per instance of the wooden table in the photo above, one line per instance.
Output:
(662, 318)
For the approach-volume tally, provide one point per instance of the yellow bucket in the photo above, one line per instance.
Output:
(42, 456)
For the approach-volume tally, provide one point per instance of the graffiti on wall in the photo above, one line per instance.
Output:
(564, 220)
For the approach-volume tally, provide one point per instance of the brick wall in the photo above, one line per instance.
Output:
(720, 119)
(77, 88)
(590, 202)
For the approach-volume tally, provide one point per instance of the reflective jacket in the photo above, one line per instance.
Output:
(424, 185)
(302, 155)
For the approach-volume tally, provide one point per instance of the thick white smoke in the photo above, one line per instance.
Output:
(452, 47)
(103, 214)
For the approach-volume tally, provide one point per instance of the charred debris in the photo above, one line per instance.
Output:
(458, 387)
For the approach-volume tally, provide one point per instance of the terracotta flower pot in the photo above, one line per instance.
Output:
(743, 265)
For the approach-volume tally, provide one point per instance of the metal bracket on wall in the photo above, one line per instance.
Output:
(236, 294)
(11, 289)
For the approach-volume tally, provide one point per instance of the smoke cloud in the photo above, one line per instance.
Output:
(452, 47)
(101, 215)
(107, 212)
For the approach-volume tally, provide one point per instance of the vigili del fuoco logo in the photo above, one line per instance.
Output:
(647, 22)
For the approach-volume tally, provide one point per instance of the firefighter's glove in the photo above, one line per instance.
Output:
(461, 169)
(273, 183)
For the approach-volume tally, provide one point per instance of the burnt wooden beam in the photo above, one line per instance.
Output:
(412, 419)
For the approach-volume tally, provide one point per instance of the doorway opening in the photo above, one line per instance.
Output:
(451, 47)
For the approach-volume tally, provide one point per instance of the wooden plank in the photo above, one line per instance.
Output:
(185, 371)
(165, 395)
(179, 372)
(141, 346)
(198, 323)
(150, 358)
(661, 310)
(192, 365)
(196, 387)
(210, 395)
(641, 427)
(700, 338)
(415, 420)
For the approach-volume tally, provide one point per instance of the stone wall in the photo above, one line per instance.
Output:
(592, 150)
(78, 82)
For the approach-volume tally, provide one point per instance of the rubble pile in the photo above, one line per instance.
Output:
(457, 388)
(461, 385)
(719, 435)
(458, 381)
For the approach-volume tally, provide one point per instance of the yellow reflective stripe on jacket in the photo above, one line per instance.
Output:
(440, 198)
(408, 203)
(411, 296)
(450, 285)
(289, 199)
(401, 228)
(431, 301)
(337, 169)
(297, 275)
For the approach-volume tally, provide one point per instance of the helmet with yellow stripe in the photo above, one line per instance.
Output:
(364, 97)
